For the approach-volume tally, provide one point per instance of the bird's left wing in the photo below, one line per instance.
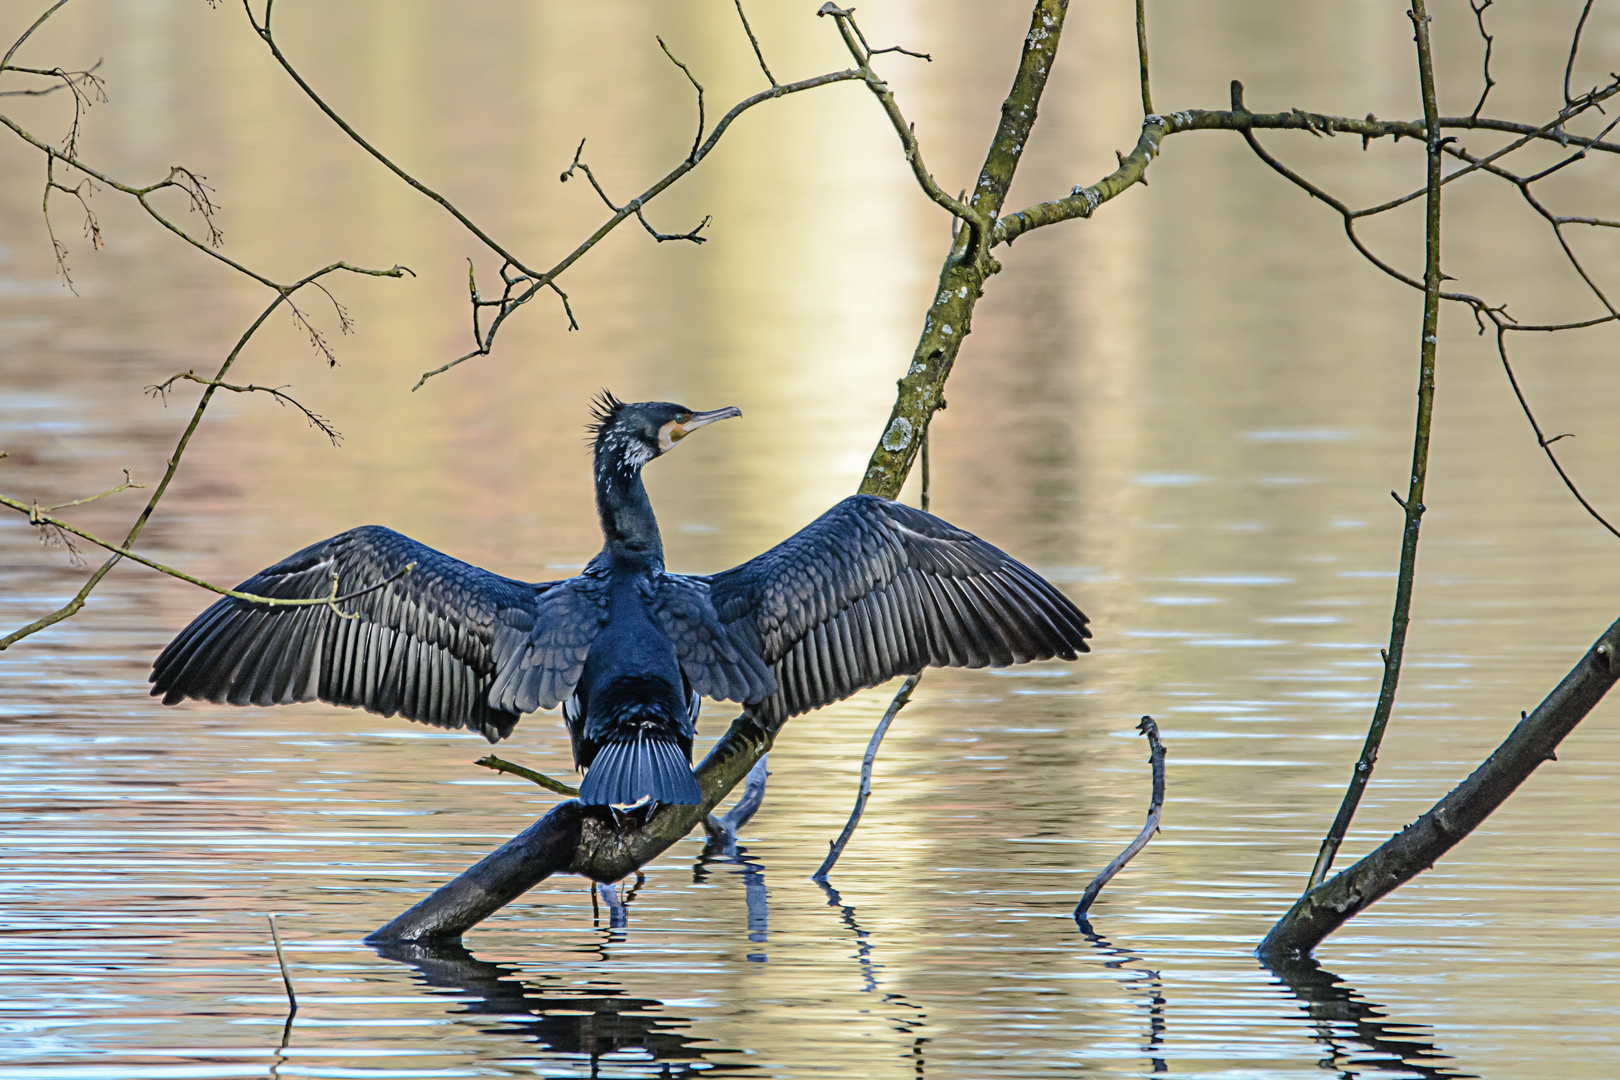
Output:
(873, 589)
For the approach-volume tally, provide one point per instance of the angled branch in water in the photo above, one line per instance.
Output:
(1416, 848)
(722, 830)
(835, 848)
(1149, 830)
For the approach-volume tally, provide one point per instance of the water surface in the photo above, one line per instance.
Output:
(1188, 412)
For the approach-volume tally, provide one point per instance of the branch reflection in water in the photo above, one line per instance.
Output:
(595, 1022)
(1340, 1016)
(1115, 960)
(905, 1023)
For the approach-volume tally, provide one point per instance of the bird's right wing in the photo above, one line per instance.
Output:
(873, 589)
(445, 643)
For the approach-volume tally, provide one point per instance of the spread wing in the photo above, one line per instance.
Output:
(447, 643)
(873, 589)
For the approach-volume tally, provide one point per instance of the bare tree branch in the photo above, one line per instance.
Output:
(1416, 848)
(977, 223)
(120, 551)
(1142, 55)
(1412, 505)
(835, 848)
(697, 140)
(754, 41)
(36, 516)
(1490, 43)
(5, 61)
(512, 768)
(316, 420)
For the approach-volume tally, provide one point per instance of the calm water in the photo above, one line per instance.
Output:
(1188, 412)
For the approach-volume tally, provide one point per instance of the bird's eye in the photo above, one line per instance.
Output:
(683, 418)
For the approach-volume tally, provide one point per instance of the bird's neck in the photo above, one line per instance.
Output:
(628, 524)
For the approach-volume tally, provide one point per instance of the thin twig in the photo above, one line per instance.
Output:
(5, 61)
(1142, 55)
(1155, 810)
(978, 224)
(752, 40)
(925, 500)
(38, 517)
(836, 847)
(499, 765)
(1413, 504)
(286, 979)
(1541, 439)
(125, 486)
(316, 420)
(697, 140)
(1574, 47)
(1490, 42)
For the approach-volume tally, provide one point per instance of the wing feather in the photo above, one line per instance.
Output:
(874, 589)
(430, 645)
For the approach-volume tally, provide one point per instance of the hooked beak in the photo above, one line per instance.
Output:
(703, 419)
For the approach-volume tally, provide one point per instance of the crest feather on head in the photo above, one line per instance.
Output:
(605, 409)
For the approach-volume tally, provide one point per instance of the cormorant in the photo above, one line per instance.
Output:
(869, 590)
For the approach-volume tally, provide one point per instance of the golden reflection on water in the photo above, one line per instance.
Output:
(1188, 411)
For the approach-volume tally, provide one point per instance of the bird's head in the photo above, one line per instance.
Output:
(627, 436)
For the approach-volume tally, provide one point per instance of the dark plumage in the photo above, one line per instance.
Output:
(869, 590)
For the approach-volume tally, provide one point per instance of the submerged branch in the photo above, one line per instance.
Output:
(596, 842)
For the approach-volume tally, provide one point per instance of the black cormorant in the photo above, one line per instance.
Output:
(869, 590)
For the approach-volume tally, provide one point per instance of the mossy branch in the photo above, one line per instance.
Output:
(961, 280)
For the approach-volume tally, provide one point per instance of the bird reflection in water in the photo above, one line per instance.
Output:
(595, 1022)
(618, 907)
(1354, 1031)
(717, 853)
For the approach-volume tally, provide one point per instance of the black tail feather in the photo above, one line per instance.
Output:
(645, 766)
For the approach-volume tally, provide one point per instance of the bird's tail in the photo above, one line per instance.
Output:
(641, 767)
